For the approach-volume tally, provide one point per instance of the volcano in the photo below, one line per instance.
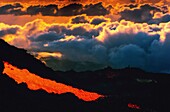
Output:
(27, 85)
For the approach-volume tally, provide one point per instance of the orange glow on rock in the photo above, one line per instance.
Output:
(35, 82)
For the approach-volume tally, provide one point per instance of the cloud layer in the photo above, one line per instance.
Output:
(91, 44)
(138, 13)
(54, 10)
(141, 13)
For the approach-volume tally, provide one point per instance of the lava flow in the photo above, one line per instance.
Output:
(35, 82)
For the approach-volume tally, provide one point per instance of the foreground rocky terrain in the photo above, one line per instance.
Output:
(125, 90)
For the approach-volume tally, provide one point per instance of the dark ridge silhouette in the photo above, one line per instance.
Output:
(123, 88)
(1, 66)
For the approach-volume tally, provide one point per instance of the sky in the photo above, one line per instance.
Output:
(88, 35)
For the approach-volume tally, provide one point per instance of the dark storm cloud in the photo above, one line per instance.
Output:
(78, 9)
(47, 37)
(95, 9)
(70, 10)
(79, 19)
(131, 6)
(98, 20)
(137, 55)
(82, 30)
(159, 54)
(130, 12)
(48, 10)
(53, 10)
(165, 18)
(12, 9)
(85, 19)
(144, 13)
(8, 31)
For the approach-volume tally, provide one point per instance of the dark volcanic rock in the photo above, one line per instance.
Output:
(149, 91)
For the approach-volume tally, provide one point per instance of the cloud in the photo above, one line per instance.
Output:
(128, 55)
(95, 9)
(15, 9)
(84, 19)
(40, 55)
(91, 46)
(53, 10)
(8, 30)
(142, 13)
(99, 20)
(80, 19)
(70, 10)
(48, 10)
(160, 18)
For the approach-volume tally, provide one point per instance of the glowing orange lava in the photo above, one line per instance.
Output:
(35, 82)
(133, 106)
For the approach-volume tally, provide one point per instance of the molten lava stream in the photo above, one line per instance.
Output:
(35, 82)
